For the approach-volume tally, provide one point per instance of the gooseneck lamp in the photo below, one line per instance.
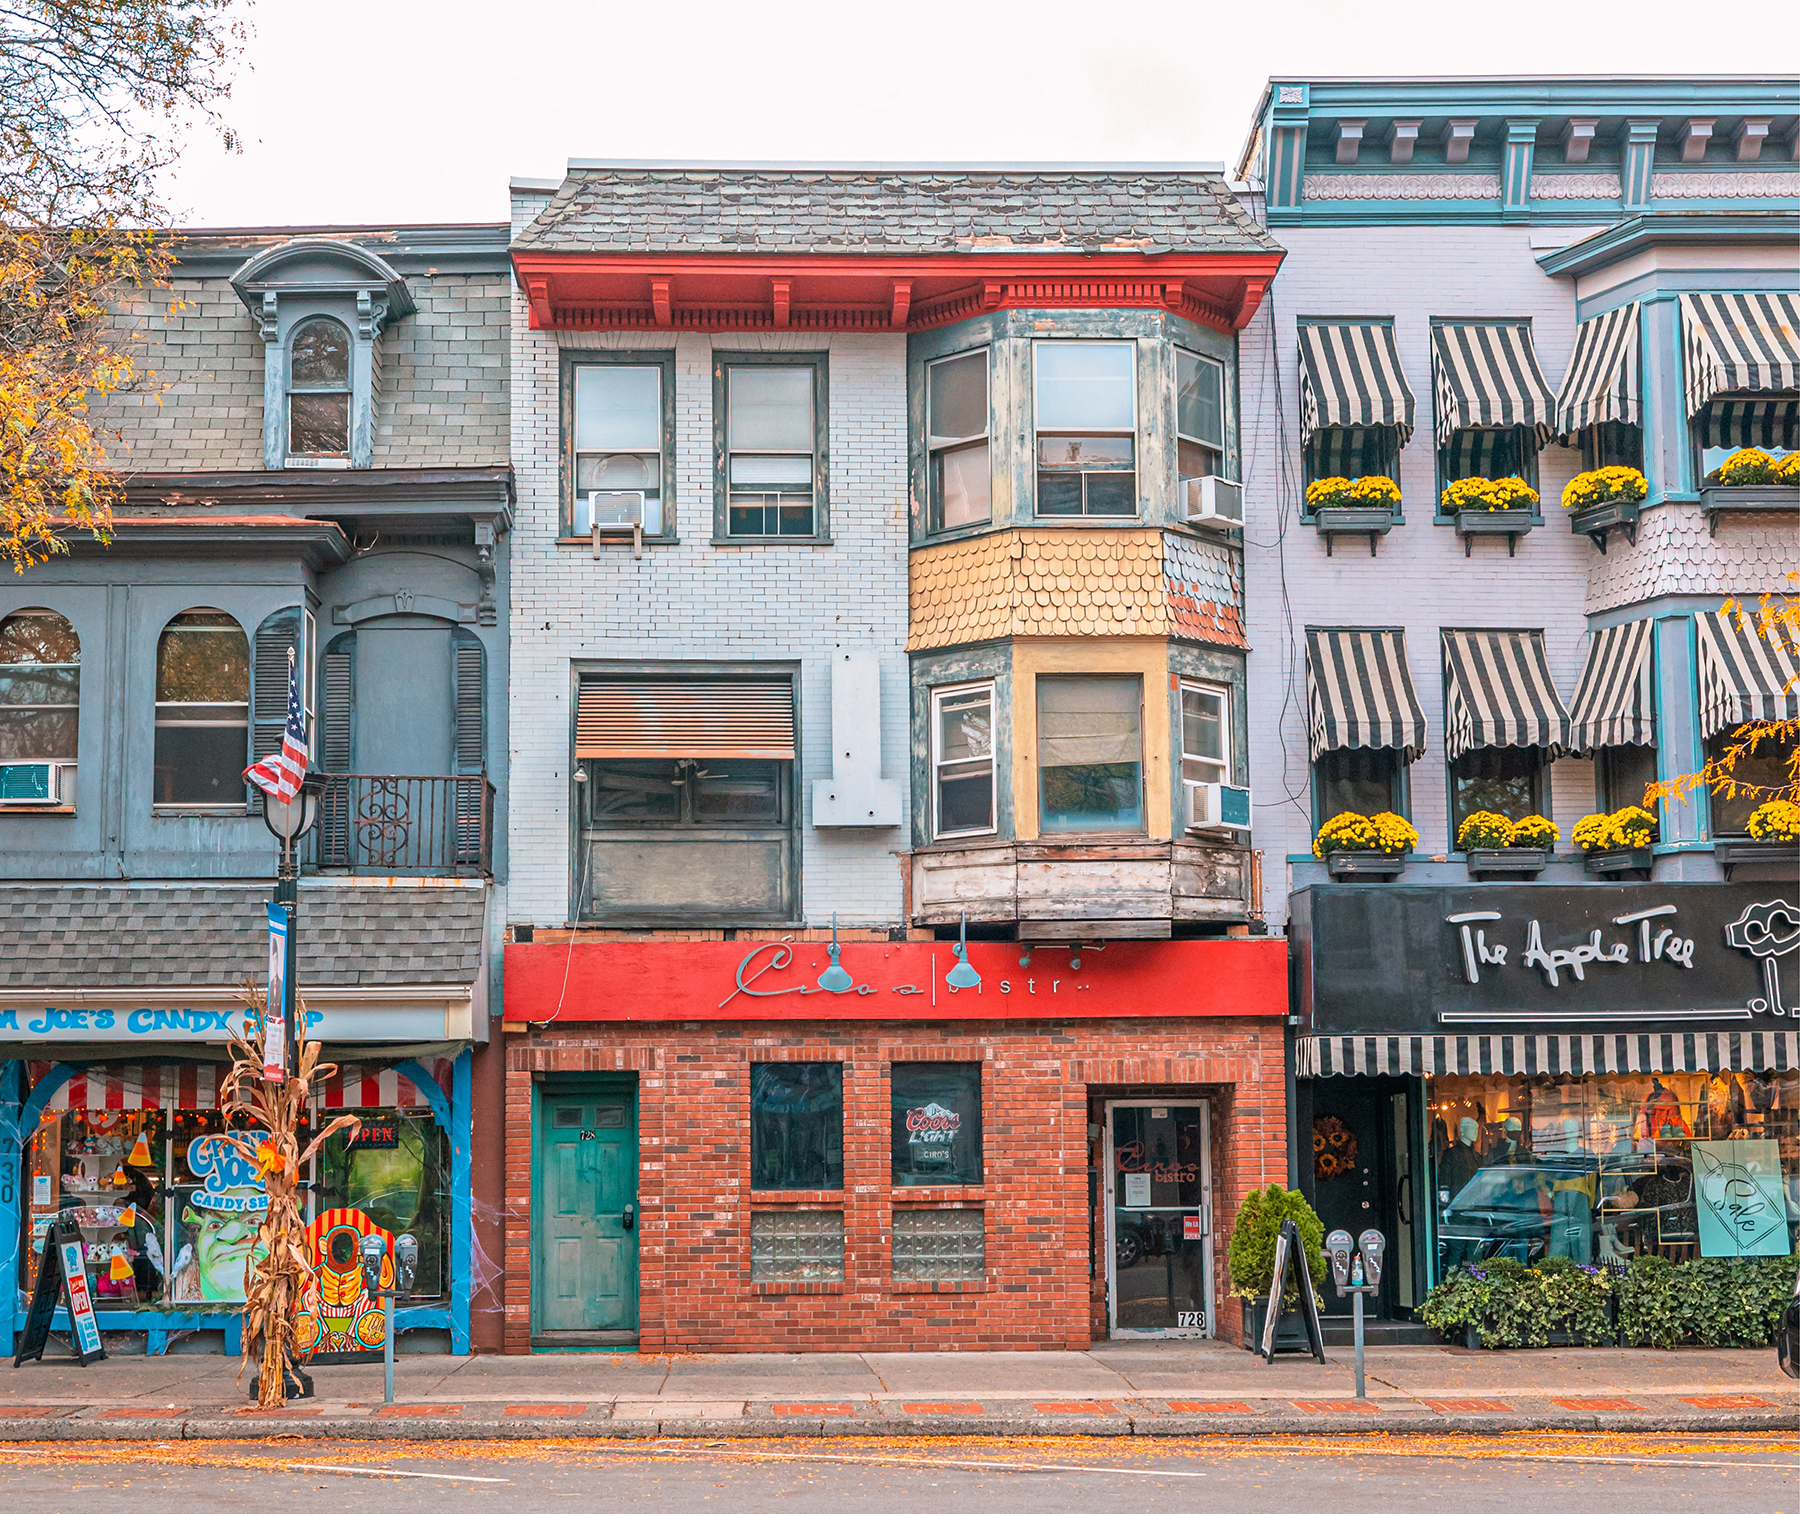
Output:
(834, 980)
(963, 975)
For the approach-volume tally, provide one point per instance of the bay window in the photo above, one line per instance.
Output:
(956, 425)
(1090, 754)
(1086, 428)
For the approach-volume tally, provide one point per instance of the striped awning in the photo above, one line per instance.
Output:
(1602, 381)
(1751, 423)
(1527, 1055)
(372, 1086)
(1360, 694)
(638, 718)
(1350, 375)
(1738, 342)
(1745, 673)
(1613, 704)
(1486, 373)
(1498, 692)
(195, 1085)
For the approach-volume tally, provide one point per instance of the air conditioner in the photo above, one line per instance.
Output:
(1215, 502)
(31, 783)
(1217, 807)
(617, 510)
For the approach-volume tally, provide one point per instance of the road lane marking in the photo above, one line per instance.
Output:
(972, 1466)
(313, 1466)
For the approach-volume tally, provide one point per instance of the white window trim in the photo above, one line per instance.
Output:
(1137, 447)
(1223, 693)
(938, 696)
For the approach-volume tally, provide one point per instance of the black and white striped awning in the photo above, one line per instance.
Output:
(1745, 673)
(1613, 704)
(1350, 375)
(1739, 342)
(1602, 381)
(1498, 692)
(1486, 373)
(1360, 694)
(1531, 1056)
(1751, 423)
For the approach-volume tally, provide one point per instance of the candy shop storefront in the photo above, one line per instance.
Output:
(129, 1139)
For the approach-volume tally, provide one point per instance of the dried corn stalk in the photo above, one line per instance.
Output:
(279, 1271)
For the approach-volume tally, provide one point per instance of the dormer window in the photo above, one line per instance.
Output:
(319, 390)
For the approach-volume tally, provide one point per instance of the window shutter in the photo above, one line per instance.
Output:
(697, 717)
(471, 706)
(334, 748)
(269, 688)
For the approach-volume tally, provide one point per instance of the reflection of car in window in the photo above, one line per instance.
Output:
(1557, 1205)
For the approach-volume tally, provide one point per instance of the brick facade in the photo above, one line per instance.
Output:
(1044, 1083)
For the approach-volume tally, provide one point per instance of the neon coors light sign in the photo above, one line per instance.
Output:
(1768, 931)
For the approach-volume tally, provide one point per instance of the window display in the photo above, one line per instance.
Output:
(936, 1123)
(1602, 1169)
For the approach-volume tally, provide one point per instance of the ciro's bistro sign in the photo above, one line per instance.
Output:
(1423, 961)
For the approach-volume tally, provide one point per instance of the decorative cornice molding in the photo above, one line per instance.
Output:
(1402, 186)
(1724, 186)
(1576, 186)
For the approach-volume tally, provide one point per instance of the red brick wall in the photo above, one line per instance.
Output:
(694, 1194)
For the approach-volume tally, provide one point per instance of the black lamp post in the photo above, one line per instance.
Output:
(288, 820)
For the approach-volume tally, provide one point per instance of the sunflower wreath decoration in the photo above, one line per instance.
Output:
(1334, 1148)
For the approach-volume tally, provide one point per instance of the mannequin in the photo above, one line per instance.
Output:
(1510, 1150)
(1572, 1200)
(1461, 1162)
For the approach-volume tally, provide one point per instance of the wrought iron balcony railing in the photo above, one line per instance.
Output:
(391, 823)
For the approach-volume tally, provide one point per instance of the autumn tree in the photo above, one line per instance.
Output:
(97, 99)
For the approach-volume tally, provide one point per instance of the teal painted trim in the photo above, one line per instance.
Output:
(1640, 162)
(1676, 848)
(1725, 223)
(1515, 183)
(1441, 213)
(1671, 283)
(1679, 749)
(428, 1088)
(1663, 607)
(1287, 165)
(462, 1223)
(12, 1153)
(42, 1093)
(1549, 95)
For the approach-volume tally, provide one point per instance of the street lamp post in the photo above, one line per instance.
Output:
(288, 820)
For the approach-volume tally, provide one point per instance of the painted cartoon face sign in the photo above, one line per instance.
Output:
(219, 1220)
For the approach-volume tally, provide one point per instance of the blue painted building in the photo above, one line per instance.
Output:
(315, 464)
(1528, 278)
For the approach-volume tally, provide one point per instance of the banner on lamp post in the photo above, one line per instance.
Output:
(275, 1027)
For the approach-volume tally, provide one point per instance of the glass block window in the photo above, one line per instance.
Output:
(797, 1246)
(940, 1245)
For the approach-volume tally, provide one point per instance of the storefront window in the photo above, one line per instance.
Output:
(1603, 1169)
(797, 1125)
(936, 1123)
(396, 1171)
(103, 1167)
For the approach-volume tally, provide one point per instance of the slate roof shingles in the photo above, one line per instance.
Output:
(877, 211)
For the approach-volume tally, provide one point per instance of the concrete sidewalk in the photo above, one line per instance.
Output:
(1180, 1388)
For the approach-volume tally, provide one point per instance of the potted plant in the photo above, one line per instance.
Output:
(1365, 846)
(1774, 837)
(1750, 479)
(1616, 843)
(1604, 497)
(1353, 507)
(1251, 1257)
(1493, 844)
(1490, 506)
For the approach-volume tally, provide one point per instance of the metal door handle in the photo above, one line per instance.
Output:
(630, 1216)
(1403, 1199)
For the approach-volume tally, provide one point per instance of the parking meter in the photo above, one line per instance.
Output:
(1337, 1251)
(374, 1250)
(1373, 1246)
(406, 1262)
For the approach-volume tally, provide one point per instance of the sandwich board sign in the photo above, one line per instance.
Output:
(1290, 1257)
(62, 1279)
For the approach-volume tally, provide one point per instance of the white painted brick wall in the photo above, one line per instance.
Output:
(697, 601)
(1420, 580)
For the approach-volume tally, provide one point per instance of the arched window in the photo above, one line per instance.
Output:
(319, 390)
(202, 710)
(40, 690)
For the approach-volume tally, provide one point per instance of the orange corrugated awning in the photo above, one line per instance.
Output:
(689, 717)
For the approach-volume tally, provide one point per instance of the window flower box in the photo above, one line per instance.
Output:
(1728, 854)
(1365, 846)
(1353, 507)
(1346, 865)
(1608, 862)
(1759, 499)
(1519, 861)
(1372, 521)
(1593, 521)
(1512, 524)
(1604, 497)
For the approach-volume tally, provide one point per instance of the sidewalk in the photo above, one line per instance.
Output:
(1182, 1388)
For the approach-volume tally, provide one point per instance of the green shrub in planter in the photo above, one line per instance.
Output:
(1715, 1301)
(1510, 1304)
(1252, 1251)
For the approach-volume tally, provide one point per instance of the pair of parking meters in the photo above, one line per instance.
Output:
(1356, 1269)
(406, 1266)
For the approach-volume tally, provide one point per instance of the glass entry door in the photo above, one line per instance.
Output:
(1158, 1202)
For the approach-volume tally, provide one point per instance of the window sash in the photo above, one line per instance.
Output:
(1094, 402)
(965, 363)
(961, 769)
(1090, 741)
(1208, 406)
(618, 407)
(1199, 766)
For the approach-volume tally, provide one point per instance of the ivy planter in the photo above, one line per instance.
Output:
(1290, 1332)
(1593, 521)
(1617, 859)
(1519, 861)
(1512, 524)
(1728, 854)
(1761, 499)
(1371, 865)
(1372, 521)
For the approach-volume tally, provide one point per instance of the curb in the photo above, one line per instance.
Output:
(524, 1429)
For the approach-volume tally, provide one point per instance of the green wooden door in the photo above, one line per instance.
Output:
(586, 1267)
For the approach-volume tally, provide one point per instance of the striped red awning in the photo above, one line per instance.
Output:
(195, 1085)
(368, 1085)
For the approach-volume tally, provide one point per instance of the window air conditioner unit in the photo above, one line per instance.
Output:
(617, 512)
(1217, 807)
(29, 783)
(1215, 502)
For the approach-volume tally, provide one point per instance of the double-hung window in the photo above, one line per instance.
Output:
(1199, 416)
(319, 390)
(202, 710)
(772, 427)
(962, 759)
(618, 442)
(956, 425)
(1090, 754)
(1205, 734)
(1086, 420)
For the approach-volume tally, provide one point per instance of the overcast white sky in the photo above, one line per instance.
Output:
(399, 111)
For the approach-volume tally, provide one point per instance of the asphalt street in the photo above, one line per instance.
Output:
(1542, 1474)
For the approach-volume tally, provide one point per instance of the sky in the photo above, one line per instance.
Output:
(403, 111)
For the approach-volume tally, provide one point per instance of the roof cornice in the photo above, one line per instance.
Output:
(208, 252)
(1692, 228)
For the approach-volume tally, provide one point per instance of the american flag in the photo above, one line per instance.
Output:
(279, 773)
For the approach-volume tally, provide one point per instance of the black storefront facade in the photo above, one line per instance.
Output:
(1596, 1071)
